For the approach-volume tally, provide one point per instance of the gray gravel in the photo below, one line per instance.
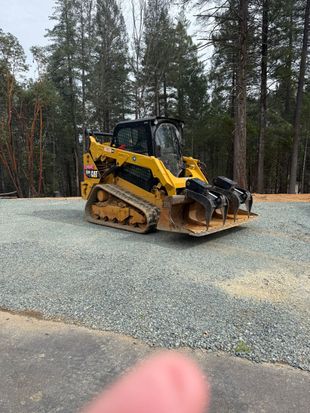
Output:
(246, 291)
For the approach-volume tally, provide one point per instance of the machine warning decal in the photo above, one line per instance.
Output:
(90, 172)
(108, 149)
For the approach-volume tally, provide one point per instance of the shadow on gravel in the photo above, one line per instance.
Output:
(161, 238)
(180, 241)
(66, 216)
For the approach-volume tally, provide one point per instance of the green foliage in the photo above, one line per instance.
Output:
(242, 347)
(12, 55)
(188, 76)
(157, 59)
(174, 77)
(91, 75)
(109, 74)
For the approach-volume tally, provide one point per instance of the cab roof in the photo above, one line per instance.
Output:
(150, 119)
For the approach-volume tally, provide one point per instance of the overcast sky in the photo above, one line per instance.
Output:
(29, 19)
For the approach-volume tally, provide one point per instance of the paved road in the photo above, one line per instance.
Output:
(49, 367)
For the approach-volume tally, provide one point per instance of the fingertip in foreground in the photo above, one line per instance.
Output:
(166, 383)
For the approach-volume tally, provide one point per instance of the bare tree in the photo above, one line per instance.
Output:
(8, 156)
(12, 63)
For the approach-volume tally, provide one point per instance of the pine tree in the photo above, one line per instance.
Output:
(299, 99)
(84, 10)
(157, 61)
(109, 85)
(190, 84)
(263, 98)
(230, 33)
(188, 75)
(137, 84)
(63, 70)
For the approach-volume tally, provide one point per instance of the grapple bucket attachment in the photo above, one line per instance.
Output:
(205, 209)
(236, 196)
(207, 196)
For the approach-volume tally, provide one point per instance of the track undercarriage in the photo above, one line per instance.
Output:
(115, 207)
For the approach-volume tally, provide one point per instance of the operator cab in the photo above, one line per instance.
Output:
(101, 137)
(156, 136)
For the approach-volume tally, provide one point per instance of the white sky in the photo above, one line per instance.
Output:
(29, 19)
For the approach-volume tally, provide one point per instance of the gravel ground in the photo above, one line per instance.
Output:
(246, 291)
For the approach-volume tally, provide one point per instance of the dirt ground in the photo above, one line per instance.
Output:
(257, 198)
(281, 197)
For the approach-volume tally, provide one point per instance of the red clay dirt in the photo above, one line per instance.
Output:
(281, 197)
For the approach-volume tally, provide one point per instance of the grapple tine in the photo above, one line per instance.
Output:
(235, 195)
(248, 203)
(247, 198)
(232, 200)
(209, 197)
(207, 203)
(220, 202)
(235, 215)
(209, 212)
(224, 211)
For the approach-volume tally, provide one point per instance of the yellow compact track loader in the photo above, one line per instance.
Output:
(139, 181)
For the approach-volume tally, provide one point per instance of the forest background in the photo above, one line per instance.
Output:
(246, 107)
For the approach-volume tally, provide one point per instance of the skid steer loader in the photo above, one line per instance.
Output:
(139, 181)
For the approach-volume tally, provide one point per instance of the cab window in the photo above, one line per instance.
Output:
(133, 139)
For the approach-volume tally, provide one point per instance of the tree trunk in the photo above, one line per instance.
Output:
(240, 172)
(30, 149)
(304, 167)
(78, 165)
(156, 97)
(263, 99)
(11, 162)
(54, 164)
(165, 97)
(288, 85)
(68, 165)
(298, 107)
(2, 186)
(230, 160)
(40, 152)
(83, 75)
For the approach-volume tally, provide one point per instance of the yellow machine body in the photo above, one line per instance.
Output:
(114, 201)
